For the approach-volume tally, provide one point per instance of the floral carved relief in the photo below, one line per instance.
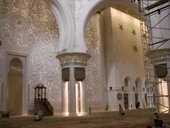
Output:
(5, 34)
(3, 12)
(30, 25)
(93, 77)
(80, 58)
(20, 4)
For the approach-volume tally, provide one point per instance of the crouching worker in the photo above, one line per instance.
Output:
(39, 116)
(158, 122)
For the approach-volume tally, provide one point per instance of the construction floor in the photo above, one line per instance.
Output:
(108, 119)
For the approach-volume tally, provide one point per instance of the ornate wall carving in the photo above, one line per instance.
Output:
(93, 72)
(74, 57)
(28, 26)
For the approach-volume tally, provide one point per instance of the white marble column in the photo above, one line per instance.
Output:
(72, 61)
(65, 98)
(72, 93)
(77, 98)
(168, 82)
(163, 56)
(83, 103)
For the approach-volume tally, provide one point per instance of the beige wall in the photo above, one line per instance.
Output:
(31, 29)
(121, 59)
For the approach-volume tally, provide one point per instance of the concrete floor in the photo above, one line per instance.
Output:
(108, 119)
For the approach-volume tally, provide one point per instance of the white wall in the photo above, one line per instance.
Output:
(120, 57)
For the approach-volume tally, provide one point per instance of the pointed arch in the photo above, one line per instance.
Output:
(90, 10)
(65, 22)
(15, 87)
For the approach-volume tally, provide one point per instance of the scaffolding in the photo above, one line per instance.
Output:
(153, 14)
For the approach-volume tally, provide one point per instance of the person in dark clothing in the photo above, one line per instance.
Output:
(158, 122)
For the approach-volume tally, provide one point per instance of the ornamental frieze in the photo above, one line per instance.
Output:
(158, 55)
(74, 57)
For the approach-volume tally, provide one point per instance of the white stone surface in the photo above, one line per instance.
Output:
(41, 29)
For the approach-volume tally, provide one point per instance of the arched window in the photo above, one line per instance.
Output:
(137, 83)
(126, 82)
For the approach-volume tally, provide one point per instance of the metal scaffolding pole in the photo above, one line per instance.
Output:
(148, 8)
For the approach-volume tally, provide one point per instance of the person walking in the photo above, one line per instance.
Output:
(121, 113)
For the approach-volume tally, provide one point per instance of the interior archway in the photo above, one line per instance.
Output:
(15, 87)
(98, 6)
(109, 21)
(65, 22)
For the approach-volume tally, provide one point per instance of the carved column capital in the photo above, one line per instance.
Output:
(73, 57)
(73, 69)
(159, 55)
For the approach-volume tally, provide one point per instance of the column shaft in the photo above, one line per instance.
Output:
(83, 99)
(72, 94)
(168, 82)
(65, 98)
(73, 60)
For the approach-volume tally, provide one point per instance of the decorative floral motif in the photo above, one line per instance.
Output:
(38, 64)
(20, 4)
(3, 12)
(5, 34)
(30, 38)
(133, 32)
(46, 37)
(66, 58)
(135, 47)
(121, 27)
(35, 30)
(94, 86)
(18, 23)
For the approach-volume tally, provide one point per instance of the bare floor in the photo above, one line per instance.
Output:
(108, 119)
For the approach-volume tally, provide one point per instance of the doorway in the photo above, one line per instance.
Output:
(14, 87)
(16, 90)
(126, 101)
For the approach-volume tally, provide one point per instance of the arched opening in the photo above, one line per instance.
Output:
(138, 93)
(127, 93)
(97, 7)
(65, 23)
(110, 41)
(15, 87)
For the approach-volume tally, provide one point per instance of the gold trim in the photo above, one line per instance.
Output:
(73, 57)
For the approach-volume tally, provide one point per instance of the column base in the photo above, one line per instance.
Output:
(83, 114)
(72, 114)
(65, 114)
